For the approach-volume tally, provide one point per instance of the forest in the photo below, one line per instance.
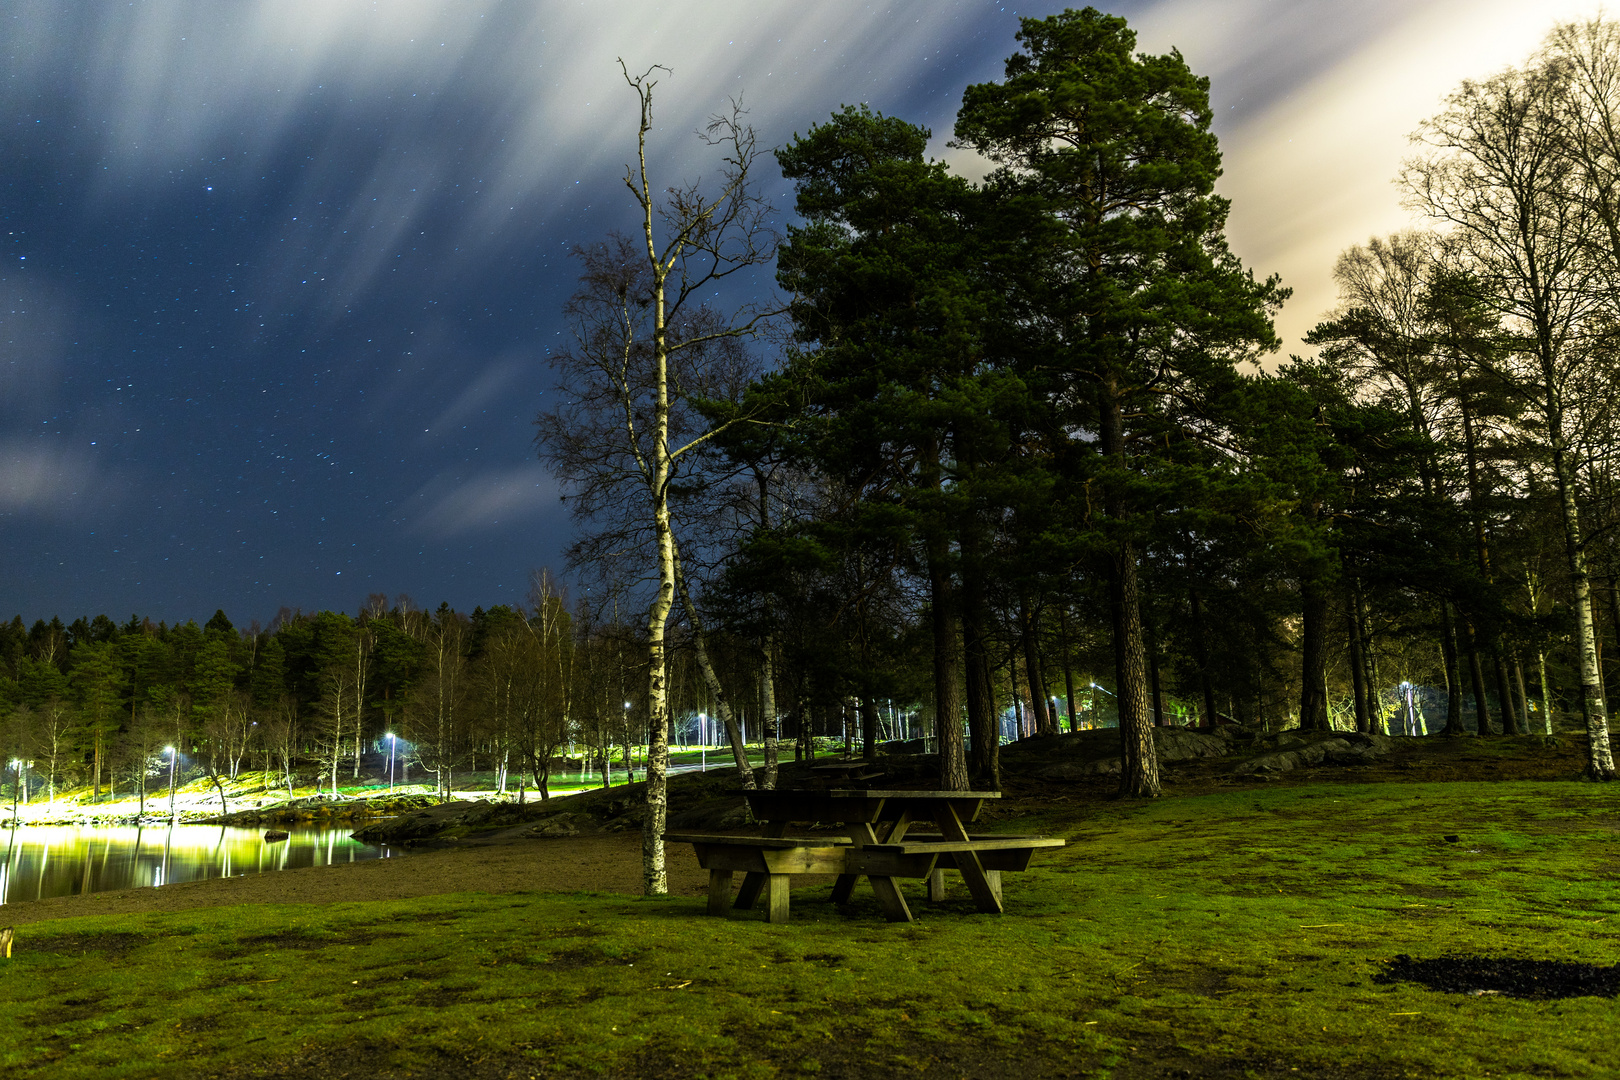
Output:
(1012, 457)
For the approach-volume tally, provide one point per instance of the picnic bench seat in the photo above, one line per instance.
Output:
(922, 856)
(767, 861)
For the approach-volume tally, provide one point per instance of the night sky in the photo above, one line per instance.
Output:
(281, 277)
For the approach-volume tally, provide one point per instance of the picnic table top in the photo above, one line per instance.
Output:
(862, 793)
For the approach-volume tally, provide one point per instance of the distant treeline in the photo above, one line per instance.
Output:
(99, 703)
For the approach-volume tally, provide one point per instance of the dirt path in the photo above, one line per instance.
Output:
(599, 863)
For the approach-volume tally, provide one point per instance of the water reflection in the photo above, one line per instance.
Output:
(48, 861)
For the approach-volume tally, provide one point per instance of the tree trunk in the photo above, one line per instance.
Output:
(1523, 727)
(1155, 686)
(1138, 759)
(1201, 655)
(1476, 678)
(1614, 614)
(1600, 761)
(1358, 670)
(1313, 715)
(1546, 699)
(1448, 660)
(1039, 699)
(767, 695)
(953, 774)
(717, 693)
(1068, 668)
(984, 730)
(1506, 707)
(869, 727)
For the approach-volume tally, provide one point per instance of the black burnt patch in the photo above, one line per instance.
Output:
(1508, 976)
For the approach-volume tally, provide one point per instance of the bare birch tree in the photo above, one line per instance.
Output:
(644, 340)
(1497, 168)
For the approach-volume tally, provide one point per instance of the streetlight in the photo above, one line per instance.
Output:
(173, 757)
(390, 763)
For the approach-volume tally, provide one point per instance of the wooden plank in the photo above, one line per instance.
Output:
(776, 898)
(916, 847)
(719, 891)
(764, 842)
(875, 864)
(828, 859)
(1014, 859)
(922, 837)
(932, 796)
(731, 857)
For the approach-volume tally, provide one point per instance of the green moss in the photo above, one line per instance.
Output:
(1233, 934)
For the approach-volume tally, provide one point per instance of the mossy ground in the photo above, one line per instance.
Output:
(1229, 934)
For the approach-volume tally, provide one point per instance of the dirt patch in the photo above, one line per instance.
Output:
(1510, 977)
(111, 946)
(67, 1011)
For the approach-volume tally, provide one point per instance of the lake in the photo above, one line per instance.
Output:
(45, 861)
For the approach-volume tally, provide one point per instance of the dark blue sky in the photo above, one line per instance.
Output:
(280, 278)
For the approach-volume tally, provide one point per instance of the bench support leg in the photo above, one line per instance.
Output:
(719, 891)
(893, 901)
(776, 898)
(753, 881)
(936, 886)
(753, 884)
(986, 897)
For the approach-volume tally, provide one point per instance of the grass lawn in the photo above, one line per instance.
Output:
(1228, 934)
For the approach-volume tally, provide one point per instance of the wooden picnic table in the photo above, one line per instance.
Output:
(879, 821)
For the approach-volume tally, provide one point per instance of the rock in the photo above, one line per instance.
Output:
(560, 825)
(275, 834)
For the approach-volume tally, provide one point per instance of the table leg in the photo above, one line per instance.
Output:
(754, 881)
(719, 891)
(844, 887)
(889, 895)
(776, 898)
(986, 897)
(893, 901)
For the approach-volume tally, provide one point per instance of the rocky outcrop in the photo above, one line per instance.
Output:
(1096, 753)
(323, 809)
(1289, 750)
